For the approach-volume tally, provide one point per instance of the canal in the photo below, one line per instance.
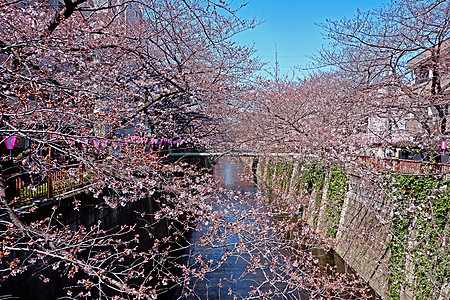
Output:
(245, 255)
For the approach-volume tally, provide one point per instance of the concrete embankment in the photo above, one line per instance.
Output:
(392, 230)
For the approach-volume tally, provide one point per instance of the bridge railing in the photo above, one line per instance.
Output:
(22, 188)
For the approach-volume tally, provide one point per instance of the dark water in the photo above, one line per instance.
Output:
(232, 280)
(30, 284)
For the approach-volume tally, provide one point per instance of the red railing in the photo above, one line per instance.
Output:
(405, 165)
(25, 187)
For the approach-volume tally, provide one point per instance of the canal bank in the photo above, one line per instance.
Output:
(392, 230)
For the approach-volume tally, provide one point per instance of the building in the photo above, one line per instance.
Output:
(421, 114)
(431, 70)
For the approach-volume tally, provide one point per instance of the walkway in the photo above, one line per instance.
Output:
(27, 188)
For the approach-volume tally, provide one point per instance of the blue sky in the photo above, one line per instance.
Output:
(290, 24)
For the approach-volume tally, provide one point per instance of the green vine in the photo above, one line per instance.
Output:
(420, 235)
(271, 170)
(420, 244)
(283, 174)
(312, 177)
(261, 164)
(315, 214)
(337, 187)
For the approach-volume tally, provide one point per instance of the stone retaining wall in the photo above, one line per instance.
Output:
(357, 221)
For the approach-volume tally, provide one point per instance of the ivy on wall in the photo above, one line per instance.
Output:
(299, 182)
(311, 178)
(278, 176)
(420, 243)
(270, 170)
(337, 187)
(283, 174)
(261, 165)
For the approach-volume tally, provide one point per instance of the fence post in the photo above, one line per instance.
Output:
(81, 174)
(49, 185)
(17, 190)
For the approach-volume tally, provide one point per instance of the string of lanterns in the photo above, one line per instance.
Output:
(11, 141)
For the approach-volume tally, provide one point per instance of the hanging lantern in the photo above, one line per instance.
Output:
(443, 147)
(10, 142)
(96, 143)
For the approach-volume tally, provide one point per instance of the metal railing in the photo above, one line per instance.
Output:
(405, 165)
(25, 187)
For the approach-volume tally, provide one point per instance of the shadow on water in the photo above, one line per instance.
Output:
(231, 280)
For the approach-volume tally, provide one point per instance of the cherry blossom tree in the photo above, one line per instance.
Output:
(397, 56)
(79, 78)
(83, 77)
(388, 65)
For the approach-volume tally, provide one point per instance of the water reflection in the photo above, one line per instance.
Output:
(231, 175)
(231, 278)
(229, 275)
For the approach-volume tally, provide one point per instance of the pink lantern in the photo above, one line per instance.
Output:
(84, 143)
(10, 142)
(96, 143)
(443, 147)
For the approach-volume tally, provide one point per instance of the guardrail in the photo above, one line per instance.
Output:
(405, 165)
(25, 187)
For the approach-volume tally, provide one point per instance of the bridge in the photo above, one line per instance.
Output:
(386, 164)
